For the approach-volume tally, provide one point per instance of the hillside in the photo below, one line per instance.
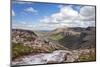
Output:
(25, 42)
(75, 38)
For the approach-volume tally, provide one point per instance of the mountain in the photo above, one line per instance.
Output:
(63, 29)
(75, 38)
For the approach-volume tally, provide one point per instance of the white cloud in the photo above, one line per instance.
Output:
(13, 13)
(87, 13)
(65, 13)
(22, 25)
(71, 18)
(65, 17)
(30, 9)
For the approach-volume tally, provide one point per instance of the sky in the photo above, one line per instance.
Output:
(49, 16)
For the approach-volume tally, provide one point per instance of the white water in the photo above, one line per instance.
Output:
(44, 58)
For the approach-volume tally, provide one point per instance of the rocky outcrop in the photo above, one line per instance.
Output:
(58, 56)
(25, 37)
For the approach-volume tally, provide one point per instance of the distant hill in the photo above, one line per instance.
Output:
(66, 29)
(75, 38)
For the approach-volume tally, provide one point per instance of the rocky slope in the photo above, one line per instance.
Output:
(24, 37)
(25, 42)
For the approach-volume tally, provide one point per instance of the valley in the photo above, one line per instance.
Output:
(61, 45)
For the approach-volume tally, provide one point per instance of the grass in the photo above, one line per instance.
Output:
(87, 57)
(56, 36)
(19, 50)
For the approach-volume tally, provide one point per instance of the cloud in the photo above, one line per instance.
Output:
(22, 25)
(65, 13)
(87, 13)
(30, 9)
(65, 17)
(69, 17)
(13, 13)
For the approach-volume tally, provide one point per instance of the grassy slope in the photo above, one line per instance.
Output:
(20, 50)
(56, 36)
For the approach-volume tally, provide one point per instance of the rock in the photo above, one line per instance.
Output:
(58, 56)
